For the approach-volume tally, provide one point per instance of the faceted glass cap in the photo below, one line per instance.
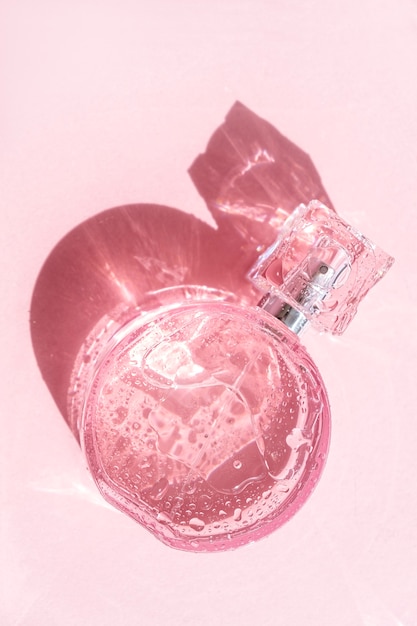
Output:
(321, 266)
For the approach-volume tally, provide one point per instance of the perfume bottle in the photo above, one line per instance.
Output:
(203, 417)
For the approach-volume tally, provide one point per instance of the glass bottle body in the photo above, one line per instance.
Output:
(207, 422)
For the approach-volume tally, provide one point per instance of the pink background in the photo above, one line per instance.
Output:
(107, 103)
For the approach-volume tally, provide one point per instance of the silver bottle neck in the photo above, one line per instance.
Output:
(308, 298)
(288, 315)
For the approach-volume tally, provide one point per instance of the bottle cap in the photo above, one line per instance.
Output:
(318, 270)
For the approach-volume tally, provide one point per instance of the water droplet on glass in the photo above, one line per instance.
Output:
(163, 518)
(196, 524)
(237, 515)
(237, 464)
(296, 439)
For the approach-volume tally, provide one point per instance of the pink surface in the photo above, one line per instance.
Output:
(108, 104)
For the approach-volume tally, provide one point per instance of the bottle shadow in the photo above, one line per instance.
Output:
(251, 178)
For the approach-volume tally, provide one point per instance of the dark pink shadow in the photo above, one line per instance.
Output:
(251, 178)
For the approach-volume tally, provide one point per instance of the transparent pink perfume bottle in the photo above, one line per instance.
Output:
(203, 417)
(201, 414)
